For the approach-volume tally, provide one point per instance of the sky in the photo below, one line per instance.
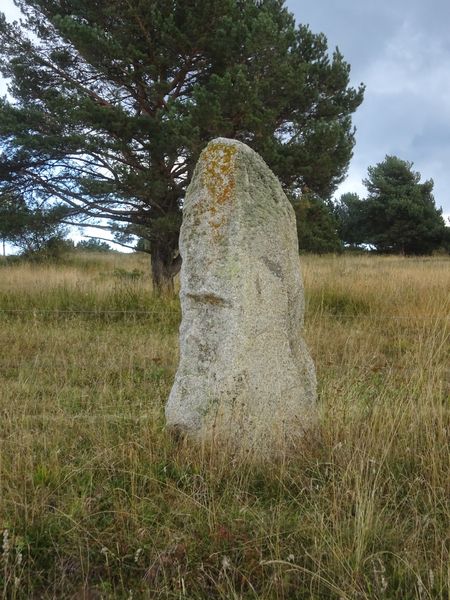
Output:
(400, 50)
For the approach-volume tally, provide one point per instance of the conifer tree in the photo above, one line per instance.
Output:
(114, 100)
(317, 226)
(400, 212)
(32, 229)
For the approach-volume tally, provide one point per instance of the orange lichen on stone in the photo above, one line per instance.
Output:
(218, 177)
(217, 224)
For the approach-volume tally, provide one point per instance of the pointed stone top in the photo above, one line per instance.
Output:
(231, 145)
(229, 142)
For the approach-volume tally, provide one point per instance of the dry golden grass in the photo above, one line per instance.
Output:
(97, 501)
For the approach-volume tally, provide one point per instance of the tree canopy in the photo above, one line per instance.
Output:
(32, 229)
(351, 219)
(114, 101)
(399, 214)
(317, 227)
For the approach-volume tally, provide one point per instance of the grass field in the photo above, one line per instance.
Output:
(97, 501)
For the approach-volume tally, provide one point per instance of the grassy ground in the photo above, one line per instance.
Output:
(97, 501)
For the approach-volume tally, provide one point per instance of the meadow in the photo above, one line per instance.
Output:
(98, 501)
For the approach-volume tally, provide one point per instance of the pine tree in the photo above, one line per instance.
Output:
(316, 226)
(32, 229)
(400, 212)
(351, 218)
(114, 100)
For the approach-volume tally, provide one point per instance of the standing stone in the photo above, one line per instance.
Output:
(245, 373)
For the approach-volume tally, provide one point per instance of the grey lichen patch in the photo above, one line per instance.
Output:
(273, 267)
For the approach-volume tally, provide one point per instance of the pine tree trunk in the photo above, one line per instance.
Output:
(164, 268)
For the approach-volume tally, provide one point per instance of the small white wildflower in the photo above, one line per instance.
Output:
(420, 586)
(5, 539)
(5, 544)
(379, 575)
(384, 583)
(431, 576)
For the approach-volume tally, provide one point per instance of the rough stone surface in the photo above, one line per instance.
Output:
(244, 369)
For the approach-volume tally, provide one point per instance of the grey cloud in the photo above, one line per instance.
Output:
(401, 50)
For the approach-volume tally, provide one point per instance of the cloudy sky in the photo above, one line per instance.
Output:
(400, 49)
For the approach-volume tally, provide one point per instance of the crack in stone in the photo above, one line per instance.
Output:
(209, 298)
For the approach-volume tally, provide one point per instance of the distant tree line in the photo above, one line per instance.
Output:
(398, 216)
(31, 228)
(38, 232)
